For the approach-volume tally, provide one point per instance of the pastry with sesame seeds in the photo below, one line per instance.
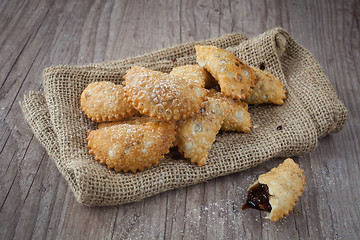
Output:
(196, 75)
(277, 190)
(268, 89)
(105, 101)
(131, 120)
(132, 146)
(161, 95)
(235, 77)
(196, 135)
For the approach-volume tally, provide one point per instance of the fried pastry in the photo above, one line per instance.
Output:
(234, 76)
(196, 135)
(131, 121)
(238, 118)
(105, 101)
(162, 95)
(277, 190)
(196, 75)
(132, 147)
(268, 89)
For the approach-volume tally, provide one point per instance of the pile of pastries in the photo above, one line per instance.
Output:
(150, 112)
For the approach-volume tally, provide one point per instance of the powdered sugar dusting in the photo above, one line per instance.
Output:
(223, 216)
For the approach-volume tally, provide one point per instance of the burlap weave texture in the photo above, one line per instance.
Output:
(311, 111)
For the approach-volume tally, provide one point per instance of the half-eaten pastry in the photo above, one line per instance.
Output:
(277, 190)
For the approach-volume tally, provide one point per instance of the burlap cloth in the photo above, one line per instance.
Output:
(311, 111)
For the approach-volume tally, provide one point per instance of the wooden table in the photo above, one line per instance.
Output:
(35, 199)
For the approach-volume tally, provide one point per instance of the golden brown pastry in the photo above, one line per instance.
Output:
(195, 75)
(234, 76)
(238, 119)
(277, 190)
(132, 147)
(196, 135)
(105, 101)
(162, 95)
(131, 121)
(268, 89)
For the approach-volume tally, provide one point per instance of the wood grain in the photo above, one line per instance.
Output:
(36, 202)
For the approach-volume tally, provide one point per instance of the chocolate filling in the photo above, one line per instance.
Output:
(258, 198)
(262, 66)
